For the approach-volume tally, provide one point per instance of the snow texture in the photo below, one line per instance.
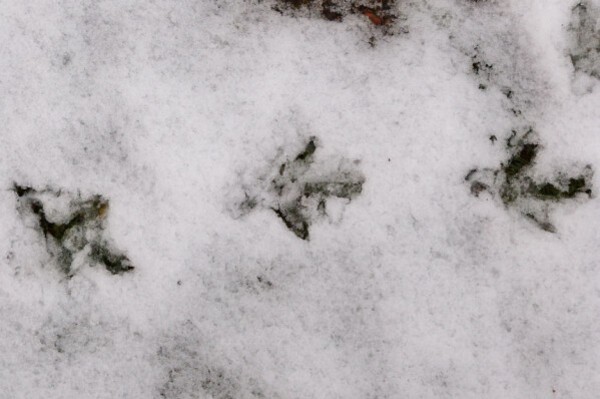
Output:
(299, 199)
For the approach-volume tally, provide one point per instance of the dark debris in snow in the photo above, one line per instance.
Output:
(379, 13)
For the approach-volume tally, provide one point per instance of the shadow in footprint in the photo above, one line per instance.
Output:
(513, 183)
(299, 190)
(71, 225)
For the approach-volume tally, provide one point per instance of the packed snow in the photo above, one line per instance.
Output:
(299, 199)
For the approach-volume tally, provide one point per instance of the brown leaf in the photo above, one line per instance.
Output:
(372, 16)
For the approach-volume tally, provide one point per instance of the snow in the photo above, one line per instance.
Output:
(175, 111)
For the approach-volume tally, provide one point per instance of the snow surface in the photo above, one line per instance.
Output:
(413, 289)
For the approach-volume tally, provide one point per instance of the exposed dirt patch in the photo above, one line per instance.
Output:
(381, 14)
(299, 189)
(72, 225)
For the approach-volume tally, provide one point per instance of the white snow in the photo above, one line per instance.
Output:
(413, 289)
